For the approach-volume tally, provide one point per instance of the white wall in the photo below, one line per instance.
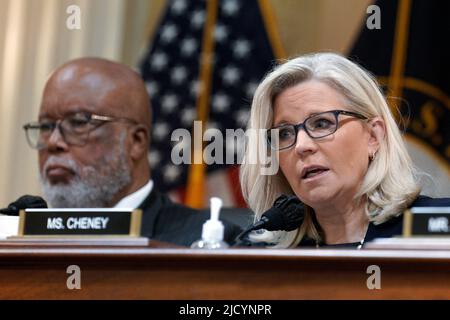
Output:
(34, 40)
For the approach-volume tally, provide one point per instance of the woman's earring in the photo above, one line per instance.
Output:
(372, 156)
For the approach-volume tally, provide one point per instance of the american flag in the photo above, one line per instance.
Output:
(242, 55)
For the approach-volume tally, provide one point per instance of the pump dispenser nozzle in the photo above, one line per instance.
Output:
(213, 229)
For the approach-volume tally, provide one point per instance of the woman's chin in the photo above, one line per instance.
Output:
(315, 200)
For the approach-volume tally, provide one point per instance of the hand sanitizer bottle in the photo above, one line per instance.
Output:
(213, 229)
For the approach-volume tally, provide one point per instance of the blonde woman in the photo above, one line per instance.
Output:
(340, 152)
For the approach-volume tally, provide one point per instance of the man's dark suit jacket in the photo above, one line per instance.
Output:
(167, 221)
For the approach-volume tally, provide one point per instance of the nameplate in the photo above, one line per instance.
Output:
(426, 221)
(80, 222)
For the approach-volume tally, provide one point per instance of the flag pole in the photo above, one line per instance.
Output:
(196, 175)
(272, 29)
(396, 79)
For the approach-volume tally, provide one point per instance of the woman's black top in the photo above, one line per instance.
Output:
(392, 227)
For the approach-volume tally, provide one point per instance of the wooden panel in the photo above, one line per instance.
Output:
(152, 273)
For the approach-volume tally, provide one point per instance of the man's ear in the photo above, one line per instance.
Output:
(140, 142)
(377, 131)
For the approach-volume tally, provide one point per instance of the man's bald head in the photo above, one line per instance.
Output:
(108, 159)
(122, 90)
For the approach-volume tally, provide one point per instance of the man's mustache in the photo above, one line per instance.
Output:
(53, 161)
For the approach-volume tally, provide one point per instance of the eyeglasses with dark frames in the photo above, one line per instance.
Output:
(74, 129)
(316, 126)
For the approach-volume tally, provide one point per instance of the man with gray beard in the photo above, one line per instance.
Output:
(93, 185)
(92, 137)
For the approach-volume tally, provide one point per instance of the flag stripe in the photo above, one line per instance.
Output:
(233, 177)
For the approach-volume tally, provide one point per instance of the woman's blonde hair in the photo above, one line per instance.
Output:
(389, 184)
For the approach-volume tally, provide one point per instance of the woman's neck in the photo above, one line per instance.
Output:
(343, 224)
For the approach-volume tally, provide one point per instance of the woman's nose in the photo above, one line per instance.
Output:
(304, 143)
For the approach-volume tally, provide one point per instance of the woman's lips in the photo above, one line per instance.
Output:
(316, 176)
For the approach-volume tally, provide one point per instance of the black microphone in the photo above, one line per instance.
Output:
(287, 214)
(24, 202)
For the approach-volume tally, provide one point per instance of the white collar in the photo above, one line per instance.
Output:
(136, 198)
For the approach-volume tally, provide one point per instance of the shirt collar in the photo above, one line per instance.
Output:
(136, 198)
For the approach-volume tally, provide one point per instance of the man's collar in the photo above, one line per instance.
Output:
(136, 198)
